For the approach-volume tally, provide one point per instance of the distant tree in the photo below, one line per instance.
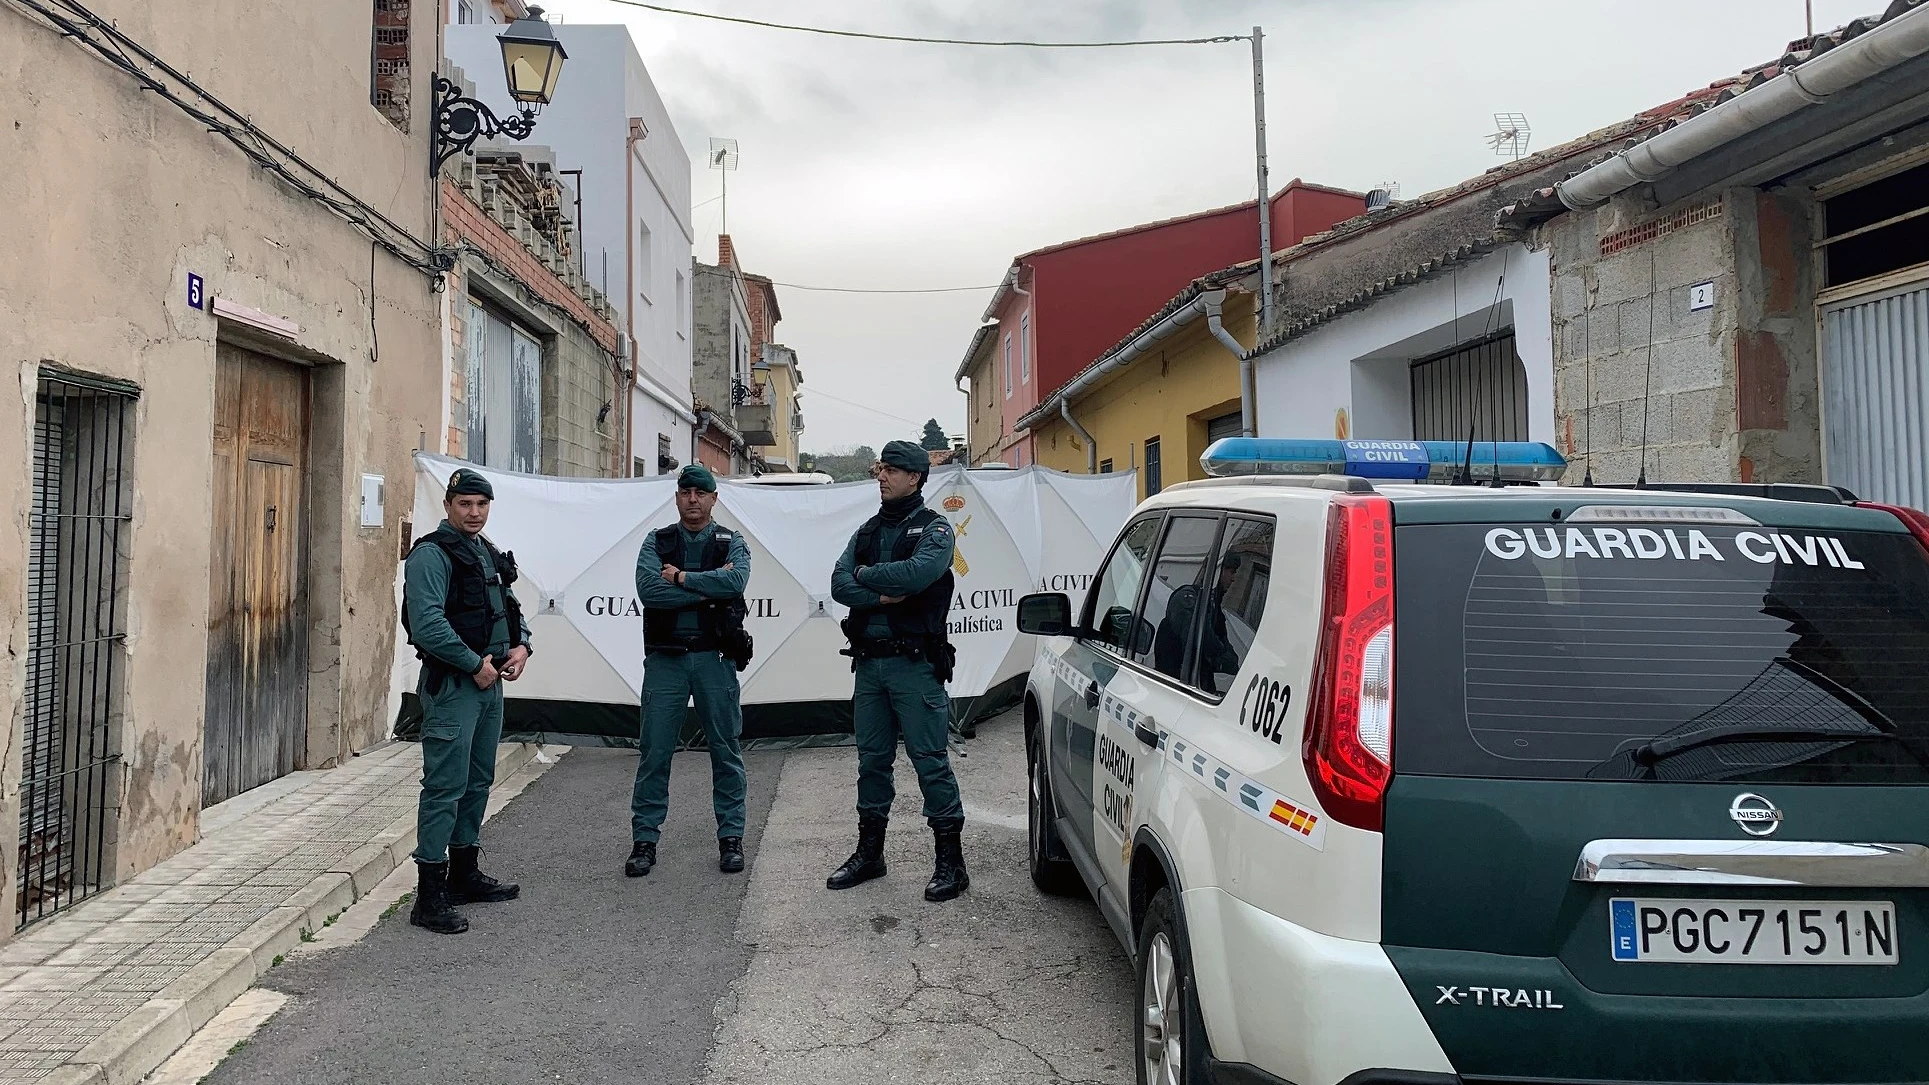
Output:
(806, 463)
(852, 466)
(934, 438)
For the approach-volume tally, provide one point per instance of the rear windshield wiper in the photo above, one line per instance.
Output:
(1661, 749)
(1884, 728)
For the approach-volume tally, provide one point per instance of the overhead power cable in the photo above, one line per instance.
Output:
(74, 20)
(820, 393)
(906, 290)
(1220, 39)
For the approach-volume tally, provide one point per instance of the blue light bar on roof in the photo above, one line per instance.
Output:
(1410, 461)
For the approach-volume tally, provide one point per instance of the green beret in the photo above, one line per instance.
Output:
(466, 481)
(695, 476)
(907, 456)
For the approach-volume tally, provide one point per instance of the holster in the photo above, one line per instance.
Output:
(943, 656)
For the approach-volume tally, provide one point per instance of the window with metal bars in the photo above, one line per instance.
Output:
(1480, 388)
(76, 633)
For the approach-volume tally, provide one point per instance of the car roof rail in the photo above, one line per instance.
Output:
(1774, 491)
(1346, 484)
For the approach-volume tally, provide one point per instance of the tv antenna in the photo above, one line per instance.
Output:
(1511, 136)
(723, 157)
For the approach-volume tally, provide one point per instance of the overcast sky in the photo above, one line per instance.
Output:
(892, 166)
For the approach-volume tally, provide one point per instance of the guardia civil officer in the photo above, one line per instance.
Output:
(690, 577)
(468, 631)
(896, 577)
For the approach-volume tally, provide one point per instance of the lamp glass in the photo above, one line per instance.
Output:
(532, 68)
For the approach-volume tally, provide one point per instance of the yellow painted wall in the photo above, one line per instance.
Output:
(1168, 393)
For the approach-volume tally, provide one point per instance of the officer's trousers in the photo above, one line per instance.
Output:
(670, 681)
(461, 727)
(895, 698)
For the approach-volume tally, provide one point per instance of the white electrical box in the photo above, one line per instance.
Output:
(373, 498)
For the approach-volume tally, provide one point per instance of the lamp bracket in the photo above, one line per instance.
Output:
(461, 120)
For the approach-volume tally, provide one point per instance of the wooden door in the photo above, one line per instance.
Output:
(257, 700)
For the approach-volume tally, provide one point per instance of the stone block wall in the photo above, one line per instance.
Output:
(1723, 393)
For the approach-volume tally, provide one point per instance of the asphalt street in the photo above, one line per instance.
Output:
(693, 977)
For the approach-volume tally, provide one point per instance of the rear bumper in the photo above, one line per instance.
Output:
(1286, 1004)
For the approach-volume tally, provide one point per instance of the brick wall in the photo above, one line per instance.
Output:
(390, 79)
(577, 366)
(466, 220)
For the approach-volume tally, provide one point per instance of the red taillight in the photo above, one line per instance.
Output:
(1349, 741)
(1915, 520)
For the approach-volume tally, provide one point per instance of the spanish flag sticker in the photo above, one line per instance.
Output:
(1293, 817)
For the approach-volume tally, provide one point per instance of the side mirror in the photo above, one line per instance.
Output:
(1045, 615)
(1117, 629)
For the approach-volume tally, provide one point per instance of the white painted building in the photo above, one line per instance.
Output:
(1470, 345)
(609, 121)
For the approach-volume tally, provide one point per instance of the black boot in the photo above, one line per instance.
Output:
(867, 862)
(950, 878)
(468, 885)
(433, 910)
(730, 854)
(642, 858)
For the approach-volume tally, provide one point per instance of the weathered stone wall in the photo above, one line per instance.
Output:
(116, 196)
(1725, 393)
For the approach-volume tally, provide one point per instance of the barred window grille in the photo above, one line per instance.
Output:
(76, 632)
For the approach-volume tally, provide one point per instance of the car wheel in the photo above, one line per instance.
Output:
(1051, 869)
(1171, 1033)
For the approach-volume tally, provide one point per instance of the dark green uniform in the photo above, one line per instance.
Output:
(461, 725)
(897, 693)
(675, 674)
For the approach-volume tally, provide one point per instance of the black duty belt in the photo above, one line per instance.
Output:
(885, 649)
(683, 647)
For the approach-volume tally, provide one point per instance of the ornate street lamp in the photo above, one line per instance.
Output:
(532, 62)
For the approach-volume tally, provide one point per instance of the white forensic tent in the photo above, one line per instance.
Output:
(575, 543)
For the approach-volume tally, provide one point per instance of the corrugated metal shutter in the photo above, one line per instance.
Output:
(1480, 388)
(1226, 425)
(43, 820)
(1875, 396)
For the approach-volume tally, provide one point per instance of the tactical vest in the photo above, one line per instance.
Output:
(717, 619)
(467, 604)
(921, 617)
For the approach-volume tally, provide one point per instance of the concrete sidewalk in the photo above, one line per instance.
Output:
(103, 994)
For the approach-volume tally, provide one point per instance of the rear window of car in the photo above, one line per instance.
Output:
(1564, 652)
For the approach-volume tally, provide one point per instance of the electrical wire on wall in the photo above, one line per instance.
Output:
(73, 20)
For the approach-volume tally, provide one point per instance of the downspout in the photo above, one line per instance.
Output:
(1148, 339)
(1091, 446)
(696, 436)
(1811, 83)
(629, 292)
(1248, 421)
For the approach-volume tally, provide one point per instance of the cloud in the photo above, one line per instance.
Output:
(871, 164)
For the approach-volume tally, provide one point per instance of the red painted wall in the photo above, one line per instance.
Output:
(1087, 296)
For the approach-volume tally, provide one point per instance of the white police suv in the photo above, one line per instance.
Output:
(1392, 783)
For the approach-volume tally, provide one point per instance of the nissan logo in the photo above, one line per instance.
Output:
(1755, 814)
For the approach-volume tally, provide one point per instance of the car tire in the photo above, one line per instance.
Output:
(1170, 1033)
(1052, 871)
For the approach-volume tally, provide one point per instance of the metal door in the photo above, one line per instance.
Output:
(257, 700)
(1875, 396)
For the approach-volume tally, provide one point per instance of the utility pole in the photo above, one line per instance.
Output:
(1811, 17)
(1248, 410)
(1265, 185)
